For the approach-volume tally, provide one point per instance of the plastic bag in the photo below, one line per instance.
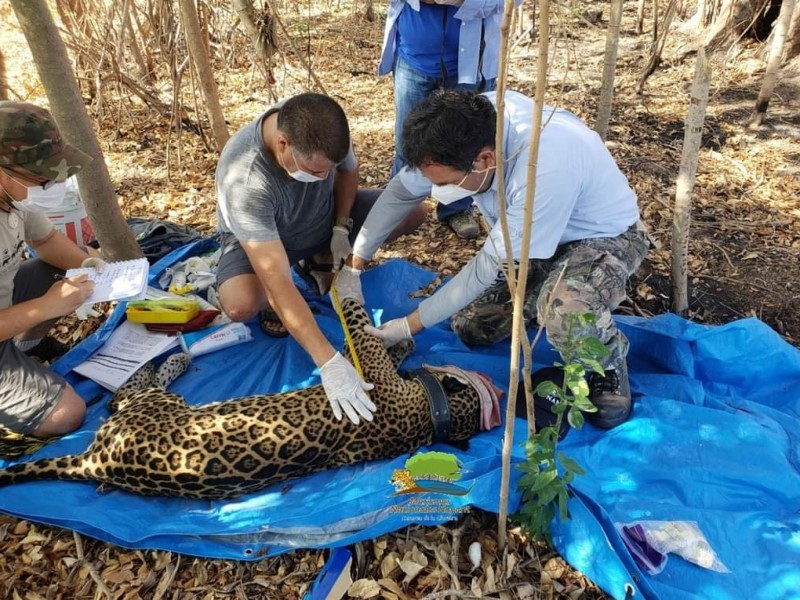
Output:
(649, 542)
(195, 274)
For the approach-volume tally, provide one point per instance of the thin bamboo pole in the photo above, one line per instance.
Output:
(687, 173)
(519, 291)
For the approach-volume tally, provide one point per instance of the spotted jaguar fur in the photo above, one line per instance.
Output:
(155, 444)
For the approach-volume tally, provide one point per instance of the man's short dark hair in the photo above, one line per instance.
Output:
(315, 123)
(449, 127)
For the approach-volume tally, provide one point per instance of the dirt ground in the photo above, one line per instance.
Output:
(744, 253)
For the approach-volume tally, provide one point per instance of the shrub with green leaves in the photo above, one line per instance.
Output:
(547, 472)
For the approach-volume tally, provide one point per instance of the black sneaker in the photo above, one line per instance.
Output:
(612, 397)
(48, 350)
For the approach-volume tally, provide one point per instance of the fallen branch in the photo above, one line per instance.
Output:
(92, 570)
(446, 593)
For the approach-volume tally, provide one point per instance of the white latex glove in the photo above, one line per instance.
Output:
(94, 262)
(340, 246)
(392, 332)
(348, 284)
(346, 390)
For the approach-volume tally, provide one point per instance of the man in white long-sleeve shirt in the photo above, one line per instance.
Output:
(585, 215)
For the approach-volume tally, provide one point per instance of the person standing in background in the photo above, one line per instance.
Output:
(433, 44)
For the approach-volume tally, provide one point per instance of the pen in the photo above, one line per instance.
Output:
(60, 277)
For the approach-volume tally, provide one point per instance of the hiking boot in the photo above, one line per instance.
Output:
(48, 350)
(465, 225)
(612, 397)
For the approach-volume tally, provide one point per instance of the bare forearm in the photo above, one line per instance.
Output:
(395, 203)
(21, 317)
(356, 262)
(415, 323)
(299, 321)
(271, 265)
(60, 251)
(345, 187)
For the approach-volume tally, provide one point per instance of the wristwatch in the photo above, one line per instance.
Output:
(345, 222)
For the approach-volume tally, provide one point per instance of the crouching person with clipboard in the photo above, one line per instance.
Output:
(34, 163)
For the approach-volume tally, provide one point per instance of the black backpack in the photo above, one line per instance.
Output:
(157, 238)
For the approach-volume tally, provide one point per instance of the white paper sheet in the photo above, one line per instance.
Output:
(128, 348)
(123, 280)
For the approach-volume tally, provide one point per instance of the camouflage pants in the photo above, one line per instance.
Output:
(597, 271)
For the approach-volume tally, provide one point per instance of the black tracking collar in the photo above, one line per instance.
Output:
(437, 398)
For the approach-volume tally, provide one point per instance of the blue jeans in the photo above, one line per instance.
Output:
(410, 88)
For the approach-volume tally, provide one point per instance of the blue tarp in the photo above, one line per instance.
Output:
(713, 439)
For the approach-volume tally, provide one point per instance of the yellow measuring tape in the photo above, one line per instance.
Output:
(348, 338)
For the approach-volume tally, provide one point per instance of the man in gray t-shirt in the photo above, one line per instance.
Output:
(287, 194)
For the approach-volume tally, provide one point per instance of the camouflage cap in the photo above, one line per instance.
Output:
(30, 139)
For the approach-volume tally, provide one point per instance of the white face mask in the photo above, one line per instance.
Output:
(299, 174)
(453, 192)
(39, 200)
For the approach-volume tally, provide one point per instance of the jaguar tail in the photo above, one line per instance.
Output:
(67, 468)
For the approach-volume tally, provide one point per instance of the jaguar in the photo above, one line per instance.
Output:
(154, 443)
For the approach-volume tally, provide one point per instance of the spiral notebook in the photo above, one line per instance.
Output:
(122, 280)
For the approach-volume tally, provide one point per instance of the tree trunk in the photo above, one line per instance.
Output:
(730, 21)
(3, 77)
(300, 56)
(701, 12)
(146, 70)
(261, 30)
(640, 17)
(792, 47)
(658, 45)
(609, 69)
(773, 63)
(55, 73)
(681, 218)
(202, 65)
(654, 33)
